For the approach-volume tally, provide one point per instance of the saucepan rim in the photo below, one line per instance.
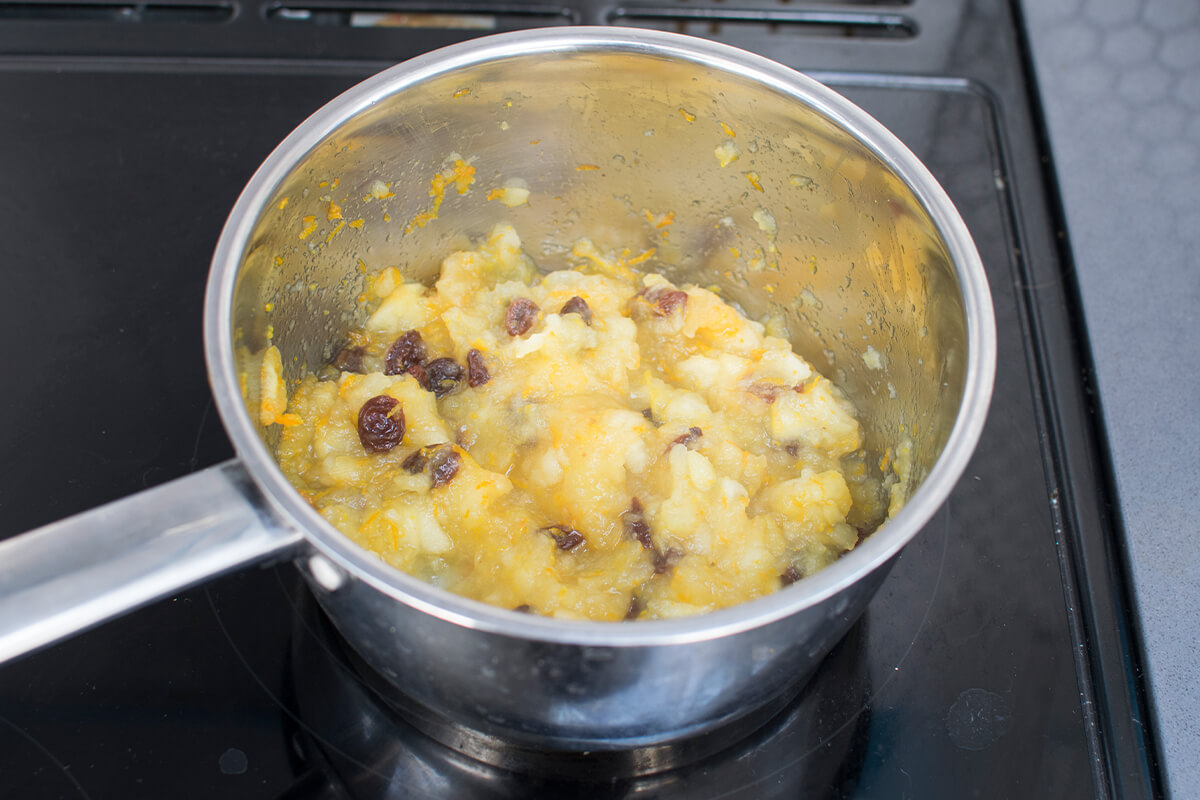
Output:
(358, 563)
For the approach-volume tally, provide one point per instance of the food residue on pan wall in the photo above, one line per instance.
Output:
(378, 190)
(460, 175)
(898, 474)
(309, 225)
(273, 398)
(660, 221)
(766, 223)
(727, 153)
(872, 358)
(514, 193)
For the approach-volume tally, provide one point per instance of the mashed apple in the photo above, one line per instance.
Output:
(585, 443)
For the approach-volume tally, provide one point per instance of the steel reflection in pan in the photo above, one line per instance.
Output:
(357, 741)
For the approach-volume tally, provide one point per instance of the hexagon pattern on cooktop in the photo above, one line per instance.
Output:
(1131, 68)
(1120, 83)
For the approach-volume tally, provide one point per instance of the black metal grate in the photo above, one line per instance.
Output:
(711, 18)
(718, 19)
(75, 11)
(479, 17)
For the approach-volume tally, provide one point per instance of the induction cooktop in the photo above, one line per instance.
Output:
(998, 659)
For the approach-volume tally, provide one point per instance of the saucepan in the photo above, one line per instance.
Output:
(797, 205)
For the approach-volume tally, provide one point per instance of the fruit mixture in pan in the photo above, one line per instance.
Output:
(592, 442)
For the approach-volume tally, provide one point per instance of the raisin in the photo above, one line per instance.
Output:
(477, 371)
(687, 439)
(520, 316)
(635, 607)
(418, 372)
(443, 375)
(667, 302)
(648, 414)
(349, 359)
(380, 428)
(805, 385)
(443, 465)
(577, 305)
(639, 530)
(415, 462)
(635, 525)
(407, 350)
(664, 562)
(793, 449)
(790, 576)
(767, 391)
(524, 608)
(566, 538)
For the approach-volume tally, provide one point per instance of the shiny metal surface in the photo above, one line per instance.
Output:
(868, 252)
(68, 576)
(381, 750)
(508, 695)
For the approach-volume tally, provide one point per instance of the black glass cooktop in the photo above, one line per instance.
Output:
(996, 661)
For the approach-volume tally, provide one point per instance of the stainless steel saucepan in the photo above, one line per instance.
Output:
(797, 204)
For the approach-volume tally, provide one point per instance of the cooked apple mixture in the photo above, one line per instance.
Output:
(585, 443)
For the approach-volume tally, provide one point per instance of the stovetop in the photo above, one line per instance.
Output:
(998, 659)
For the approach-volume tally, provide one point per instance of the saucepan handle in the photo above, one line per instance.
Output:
(70, 575)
